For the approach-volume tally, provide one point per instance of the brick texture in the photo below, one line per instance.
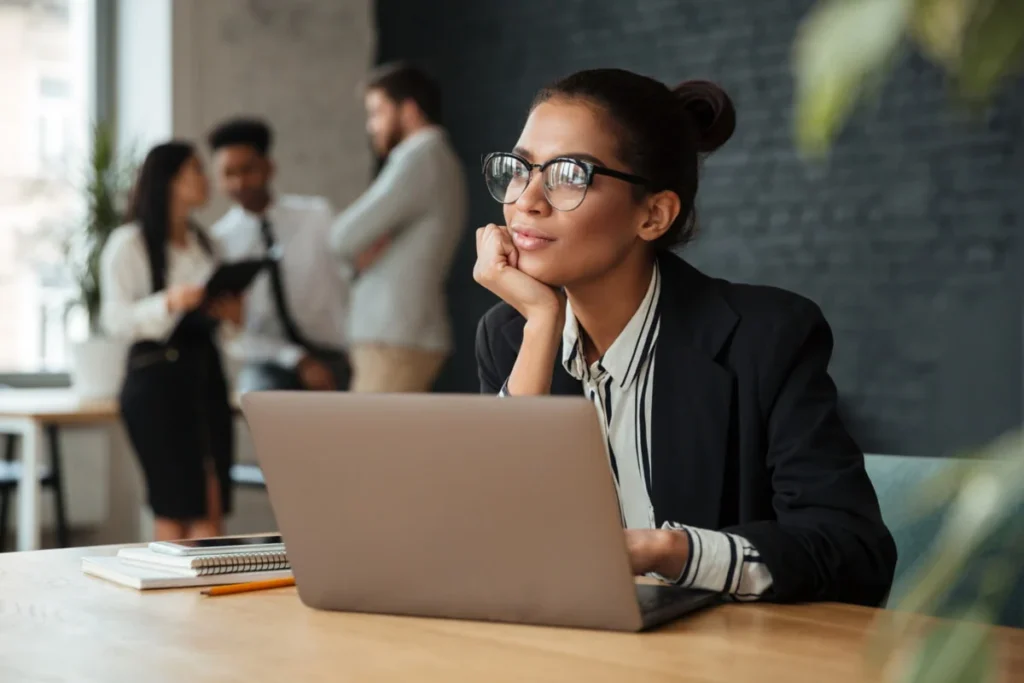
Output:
(295, 63)
(908, 237)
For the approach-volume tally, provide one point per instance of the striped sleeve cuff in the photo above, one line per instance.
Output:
(721, 562)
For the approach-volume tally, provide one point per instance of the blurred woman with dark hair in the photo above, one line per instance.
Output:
(174, 400)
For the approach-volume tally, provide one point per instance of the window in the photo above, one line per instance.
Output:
(56, 117)
(46, 62)
(55, 88)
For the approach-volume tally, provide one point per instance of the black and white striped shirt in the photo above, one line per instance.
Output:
(621, 386)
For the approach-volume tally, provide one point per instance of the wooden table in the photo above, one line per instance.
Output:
(28, 414)
(57, 624)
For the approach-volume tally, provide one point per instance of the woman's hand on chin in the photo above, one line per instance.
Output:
(496, 268)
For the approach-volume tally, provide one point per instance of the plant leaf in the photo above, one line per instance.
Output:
(958, 651)
(944, 486)
(840, 46)
(938, 27)
(938, 490)
(992, 491)
(993, 47)
(989, 495)
(104, 181)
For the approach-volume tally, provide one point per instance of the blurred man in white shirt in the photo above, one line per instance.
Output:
(402, 234)
(294, 324)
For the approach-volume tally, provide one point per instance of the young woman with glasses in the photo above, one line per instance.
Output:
(733, 469)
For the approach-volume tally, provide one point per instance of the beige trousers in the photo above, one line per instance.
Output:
(380, 368)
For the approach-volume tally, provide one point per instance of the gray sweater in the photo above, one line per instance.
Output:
(419, 199)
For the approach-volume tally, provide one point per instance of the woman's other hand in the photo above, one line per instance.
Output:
(184, 298)
(227, 308)
(661, 551)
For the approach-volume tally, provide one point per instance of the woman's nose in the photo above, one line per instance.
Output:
(533, 199)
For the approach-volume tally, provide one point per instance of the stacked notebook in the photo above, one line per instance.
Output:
(144, 569)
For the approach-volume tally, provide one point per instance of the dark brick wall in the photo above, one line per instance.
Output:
(909, 237)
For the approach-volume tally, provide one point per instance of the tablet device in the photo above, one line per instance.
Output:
(234, 278)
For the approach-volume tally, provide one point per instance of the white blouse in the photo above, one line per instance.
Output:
(620, 384)
(129, 309)
(315, 282)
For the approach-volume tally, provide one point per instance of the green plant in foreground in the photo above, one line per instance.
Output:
(844, 48)
(984, 495)
(842, 53)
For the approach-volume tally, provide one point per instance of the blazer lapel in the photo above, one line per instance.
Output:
(562, 383)
(692, 410)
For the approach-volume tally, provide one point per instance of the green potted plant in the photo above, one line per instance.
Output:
(843, 50)
(97, 361)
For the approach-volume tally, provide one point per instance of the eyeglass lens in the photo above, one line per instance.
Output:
(564, 181)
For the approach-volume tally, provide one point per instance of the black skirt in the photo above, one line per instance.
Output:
(177, 412)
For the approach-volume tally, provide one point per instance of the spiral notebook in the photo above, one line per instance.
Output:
(143, 569)
(206, 564)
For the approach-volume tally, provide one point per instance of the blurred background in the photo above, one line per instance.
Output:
(908, 234)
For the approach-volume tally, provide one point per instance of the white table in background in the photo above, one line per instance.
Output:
(27, 413)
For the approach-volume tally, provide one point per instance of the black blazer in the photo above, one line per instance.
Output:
(746, 437)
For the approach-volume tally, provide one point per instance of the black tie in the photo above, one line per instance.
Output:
(276, 281)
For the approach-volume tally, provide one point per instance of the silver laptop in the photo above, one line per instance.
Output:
(468, 507)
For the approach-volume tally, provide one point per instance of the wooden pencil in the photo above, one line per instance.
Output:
(249, 587)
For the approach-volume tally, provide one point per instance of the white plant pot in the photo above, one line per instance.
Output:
(97, 367)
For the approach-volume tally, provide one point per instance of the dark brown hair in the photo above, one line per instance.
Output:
(150, 206)
(663, 132)
(252, 132)
(401, 82)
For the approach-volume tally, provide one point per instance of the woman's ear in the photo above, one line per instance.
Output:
(662, 209)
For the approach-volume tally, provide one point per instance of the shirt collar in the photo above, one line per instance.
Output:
(269, 213)
(250, 224)
(627, 354)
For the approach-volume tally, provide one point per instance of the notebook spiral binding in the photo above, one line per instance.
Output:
(241, 562)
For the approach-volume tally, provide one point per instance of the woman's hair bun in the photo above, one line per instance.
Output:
(711, 111)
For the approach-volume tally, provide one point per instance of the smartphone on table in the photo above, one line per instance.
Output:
(223, 544)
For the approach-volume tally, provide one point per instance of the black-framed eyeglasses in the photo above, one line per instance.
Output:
(565, 180)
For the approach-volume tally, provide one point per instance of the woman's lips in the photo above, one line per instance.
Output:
(526, 240)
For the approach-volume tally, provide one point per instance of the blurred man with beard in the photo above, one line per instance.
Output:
(402, 234)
